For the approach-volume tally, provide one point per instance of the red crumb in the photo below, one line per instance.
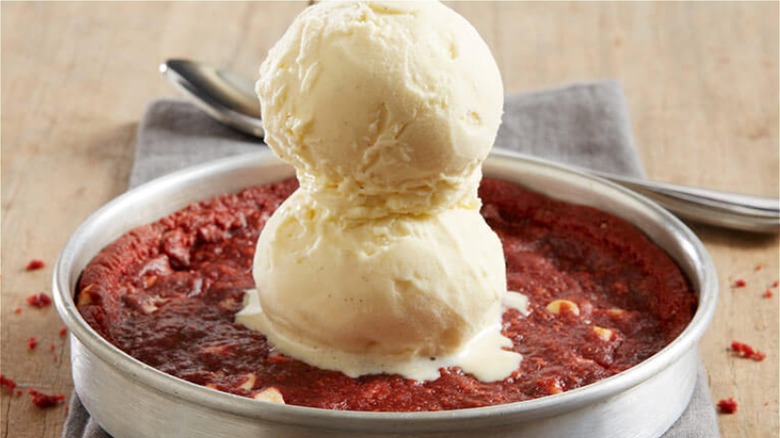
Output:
(40, 300)
(18, 310)
(35, 264)
(767, 294)
(758, 267)
(63, 331)
(52, 347)
(19, 393)
(739, 283)
(746, 351)
(775, 283)
(7, 383)
(32, 342)
(45, 400)
(727, 406)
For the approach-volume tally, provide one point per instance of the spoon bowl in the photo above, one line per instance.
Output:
(227, 97)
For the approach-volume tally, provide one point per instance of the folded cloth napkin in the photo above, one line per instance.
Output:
(582, 124)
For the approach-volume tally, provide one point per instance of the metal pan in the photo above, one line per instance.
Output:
(130, 399)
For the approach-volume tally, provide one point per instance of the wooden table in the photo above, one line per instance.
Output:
(701, 81)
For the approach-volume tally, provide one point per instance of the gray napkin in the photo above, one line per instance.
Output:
(582, 124)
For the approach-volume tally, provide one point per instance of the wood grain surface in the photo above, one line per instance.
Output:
(701, 81)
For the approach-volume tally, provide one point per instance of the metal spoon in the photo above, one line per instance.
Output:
(227, 97)
(231, 100)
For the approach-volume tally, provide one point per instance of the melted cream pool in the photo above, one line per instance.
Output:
(486, 356)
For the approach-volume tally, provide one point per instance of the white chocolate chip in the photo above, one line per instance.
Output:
(85, 298)
(604, 334)
(270, 394)
(249, 383)
(152, 304)
(557, 307)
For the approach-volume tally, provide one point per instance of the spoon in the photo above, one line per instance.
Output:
(223, 95)
(231, 100)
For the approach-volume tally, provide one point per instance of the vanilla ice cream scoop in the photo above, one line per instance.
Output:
(394, 295)
(381, 261)
(378, 97)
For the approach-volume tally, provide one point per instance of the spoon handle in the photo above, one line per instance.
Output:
(712, 207)
(229, 99)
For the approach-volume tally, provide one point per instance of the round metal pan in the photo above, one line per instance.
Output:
(130, 399)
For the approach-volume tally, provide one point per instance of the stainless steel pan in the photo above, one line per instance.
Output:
(130, 399)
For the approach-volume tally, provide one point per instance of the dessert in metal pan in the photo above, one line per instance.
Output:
(378, 270)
